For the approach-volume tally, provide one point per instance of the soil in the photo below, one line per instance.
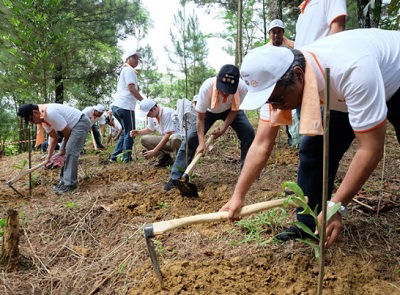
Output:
(91, 241)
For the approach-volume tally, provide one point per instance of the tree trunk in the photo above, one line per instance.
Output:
(264, 18)
(238, 57)
(364, 21)
(59, 85)
(9, 250)
(275, 9)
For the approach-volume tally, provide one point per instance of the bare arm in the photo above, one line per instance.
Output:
(140, 132)
(67, 132)
(337, 25)
(158, 147)
(367, 157)
(134, 92)
(256, 159)
(53, 138)
(200, 132)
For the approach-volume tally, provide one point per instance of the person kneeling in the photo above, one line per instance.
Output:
(159, 118)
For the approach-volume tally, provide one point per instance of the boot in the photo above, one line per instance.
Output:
(164, 161)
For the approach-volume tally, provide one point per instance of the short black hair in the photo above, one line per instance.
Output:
(288, 76)
(26, 110)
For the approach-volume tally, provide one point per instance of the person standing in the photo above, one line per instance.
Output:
(276, 30)
(159, 118)
(73, 124)
(219, 99)
(318, 19)
(123, 107)
(95, 114)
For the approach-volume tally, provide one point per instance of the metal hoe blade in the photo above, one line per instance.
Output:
(186, 189)
(148, 235)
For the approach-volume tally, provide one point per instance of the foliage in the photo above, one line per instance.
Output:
(299, 199)
(148, 75)
(256, 226)
(3, 223)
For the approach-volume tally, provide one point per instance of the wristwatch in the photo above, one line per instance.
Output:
(342, 210)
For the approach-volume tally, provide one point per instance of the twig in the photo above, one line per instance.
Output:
(362, 204)
(34, 254)
(382, 178)
(393, 285)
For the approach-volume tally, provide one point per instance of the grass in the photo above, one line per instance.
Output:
(3, 223)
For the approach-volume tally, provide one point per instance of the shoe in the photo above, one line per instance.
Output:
(292, 233)
(57, 186)
(112, 160)
(164, 161)
(62, 189)
(169, 185)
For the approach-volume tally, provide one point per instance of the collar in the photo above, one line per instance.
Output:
(303, 5)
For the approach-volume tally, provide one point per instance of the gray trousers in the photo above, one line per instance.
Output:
(149, 142)
(77, 138)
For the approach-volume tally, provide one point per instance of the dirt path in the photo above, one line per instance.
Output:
(92, 239)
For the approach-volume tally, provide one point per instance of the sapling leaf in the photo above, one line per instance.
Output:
(3, 222)
(306, 229)
(332, 210)
(294, 187)
(313, 245)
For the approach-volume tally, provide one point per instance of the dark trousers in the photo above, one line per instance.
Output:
(240, 124)
(97, 137)
(125, 142)
(341, 136)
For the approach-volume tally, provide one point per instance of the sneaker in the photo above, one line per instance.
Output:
(62, 189)
(112, 160)
(57, 186)
(164, 161)
(292, 233)
(169, 185)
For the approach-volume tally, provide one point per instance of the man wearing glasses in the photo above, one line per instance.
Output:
(365, 93)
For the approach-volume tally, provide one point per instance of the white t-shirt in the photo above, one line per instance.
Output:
(59, 116)
(316, 20)
(124, 98)
(89, 112)
(165, 123)
(117, 127)
(365, 71)
(205, 95)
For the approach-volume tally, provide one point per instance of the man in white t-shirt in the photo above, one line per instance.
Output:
(361, 103)
(219, 99)
(73, 124)
(115, 129)
(159, 119)
(95, 114)
(318, 19)
(276, 30)
(123, 107)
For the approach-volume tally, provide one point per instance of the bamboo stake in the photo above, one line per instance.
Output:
(325, 175)
(30, 159)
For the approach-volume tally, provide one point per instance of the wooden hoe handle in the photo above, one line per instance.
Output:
(25, 172)
(163, 226)
(198, 156)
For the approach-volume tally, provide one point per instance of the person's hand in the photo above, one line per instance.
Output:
(200, 149)
(333, 228)
(233, 206)
(134, 133)
(149, 154)
(218, 132)
(61, 152)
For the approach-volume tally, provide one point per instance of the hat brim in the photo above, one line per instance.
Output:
(254, 100)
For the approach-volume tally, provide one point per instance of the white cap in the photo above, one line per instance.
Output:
(146, 105)
(262, 67)
(129, 53)
(275, 23)
(100, 108)
(195, 98)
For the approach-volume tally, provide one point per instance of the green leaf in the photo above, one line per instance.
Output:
(306, 229)
(332, 210)
(3, 222)
(315, 246)
(294, 187)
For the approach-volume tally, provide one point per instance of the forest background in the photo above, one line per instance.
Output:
(66, 51)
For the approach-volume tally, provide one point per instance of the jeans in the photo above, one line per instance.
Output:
(341, 136)
(125, 141)
(240, 124)
(97, 137)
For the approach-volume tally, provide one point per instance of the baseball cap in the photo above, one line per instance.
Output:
(228, 79)
(129, 53)
(146, 105)
(100, 108)
(262, 67)
(195, 98)
(275, 23)
(26, 110)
